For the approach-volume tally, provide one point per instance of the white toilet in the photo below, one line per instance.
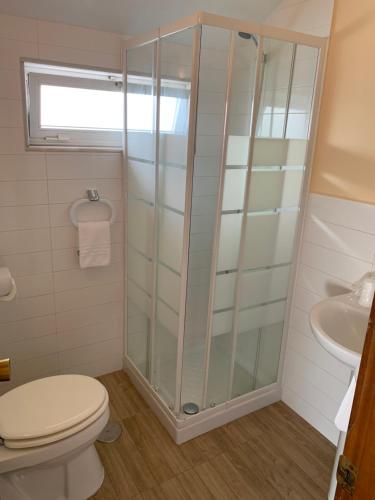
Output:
(48, 428)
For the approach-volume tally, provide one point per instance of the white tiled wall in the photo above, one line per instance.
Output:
(338, 247)
(64, 319)
(307, 16)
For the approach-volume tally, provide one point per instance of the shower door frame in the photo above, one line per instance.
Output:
(183, 428)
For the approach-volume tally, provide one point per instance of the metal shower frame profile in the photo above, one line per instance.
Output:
(179, 426)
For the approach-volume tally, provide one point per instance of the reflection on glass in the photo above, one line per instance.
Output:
(209, 132)
(239, 123)
(175, 85)
(140, 208)
(254, 326)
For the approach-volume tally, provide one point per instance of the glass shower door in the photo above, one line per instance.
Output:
(141, 171)
(259, 214)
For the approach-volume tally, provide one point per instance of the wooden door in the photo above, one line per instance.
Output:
(357, 465)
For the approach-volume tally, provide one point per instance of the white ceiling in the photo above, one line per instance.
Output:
(132, 17)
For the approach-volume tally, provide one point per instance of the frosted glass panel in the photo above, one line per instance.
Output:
(171, 226)
(140, 226)
(230, 233)
(269, 239)
(269, 353)
(141, 180)
(257, 287)
(275, 189)
(175, 85)
(255, 235)
(215, 44)
(140, 209)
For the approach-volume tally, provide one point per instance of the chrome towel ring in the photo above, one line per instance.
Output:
(92, 195)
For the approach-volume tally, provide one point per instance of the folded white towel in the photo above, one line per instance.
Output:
(94, 244)
(343, 415)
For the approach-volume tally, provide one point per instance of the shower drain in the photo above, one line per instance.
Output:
(190, 408)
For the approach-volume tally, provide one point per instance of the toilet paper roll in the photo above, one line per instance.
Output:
(6, 282)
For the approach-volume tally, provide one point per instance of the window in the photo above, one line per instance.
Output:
(76, 107)
(174, 105)
(73, 107)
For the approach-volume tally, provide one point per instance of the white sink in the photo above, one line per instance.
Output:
(339, 324)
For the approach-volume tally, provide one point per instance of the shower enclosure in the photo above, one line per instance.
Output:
(218, 139)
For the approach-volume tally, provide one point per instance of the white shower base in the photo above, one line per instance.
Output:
(183, 428)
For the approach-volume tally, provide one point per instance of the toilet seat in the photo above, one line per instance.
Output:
(50, 409)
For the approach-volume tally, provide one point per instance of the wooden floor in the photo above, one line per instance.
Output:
(269, 454)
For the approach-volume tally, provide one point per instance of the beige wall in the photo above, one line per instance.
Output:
(344, 164)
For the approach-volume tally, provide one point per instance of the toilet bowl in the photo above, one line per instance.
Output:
(48, 428)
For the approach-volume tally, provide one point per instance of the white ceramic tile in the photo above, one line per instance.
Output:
(111, 363)
(309, 347)
(31, 240)
(88, 335)
(17, 193)
(31, 369)
(27, 167)
(18, 28)
(32, 348)
(212, 79)
(305, 15)
(28, 264)
(12, 50)
(30, 307)
(11, 113)
(63, 191)
(299, 321)
(77, 318)
(90, 296)
(39, 284)
(322, 380)
(10, 84)
(305, 299)
(90, 353)
(208, 145)
(333, 263)
(84, 166)
(27, 329)
(353, 215)
(81, 278)
(321, 283)
(341, 239)
(78, 37)
(312, 415)
(79, 56)
(211, 102)
(12, 140)
(210, 124)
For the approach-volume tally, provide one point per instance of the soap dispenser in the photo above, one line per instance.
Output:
(364, 289)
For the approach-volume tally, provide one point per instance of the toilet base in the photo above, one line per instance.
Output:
(75, 476)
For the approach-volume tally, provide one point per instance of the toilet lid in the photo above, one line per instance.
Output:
(49, 406)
